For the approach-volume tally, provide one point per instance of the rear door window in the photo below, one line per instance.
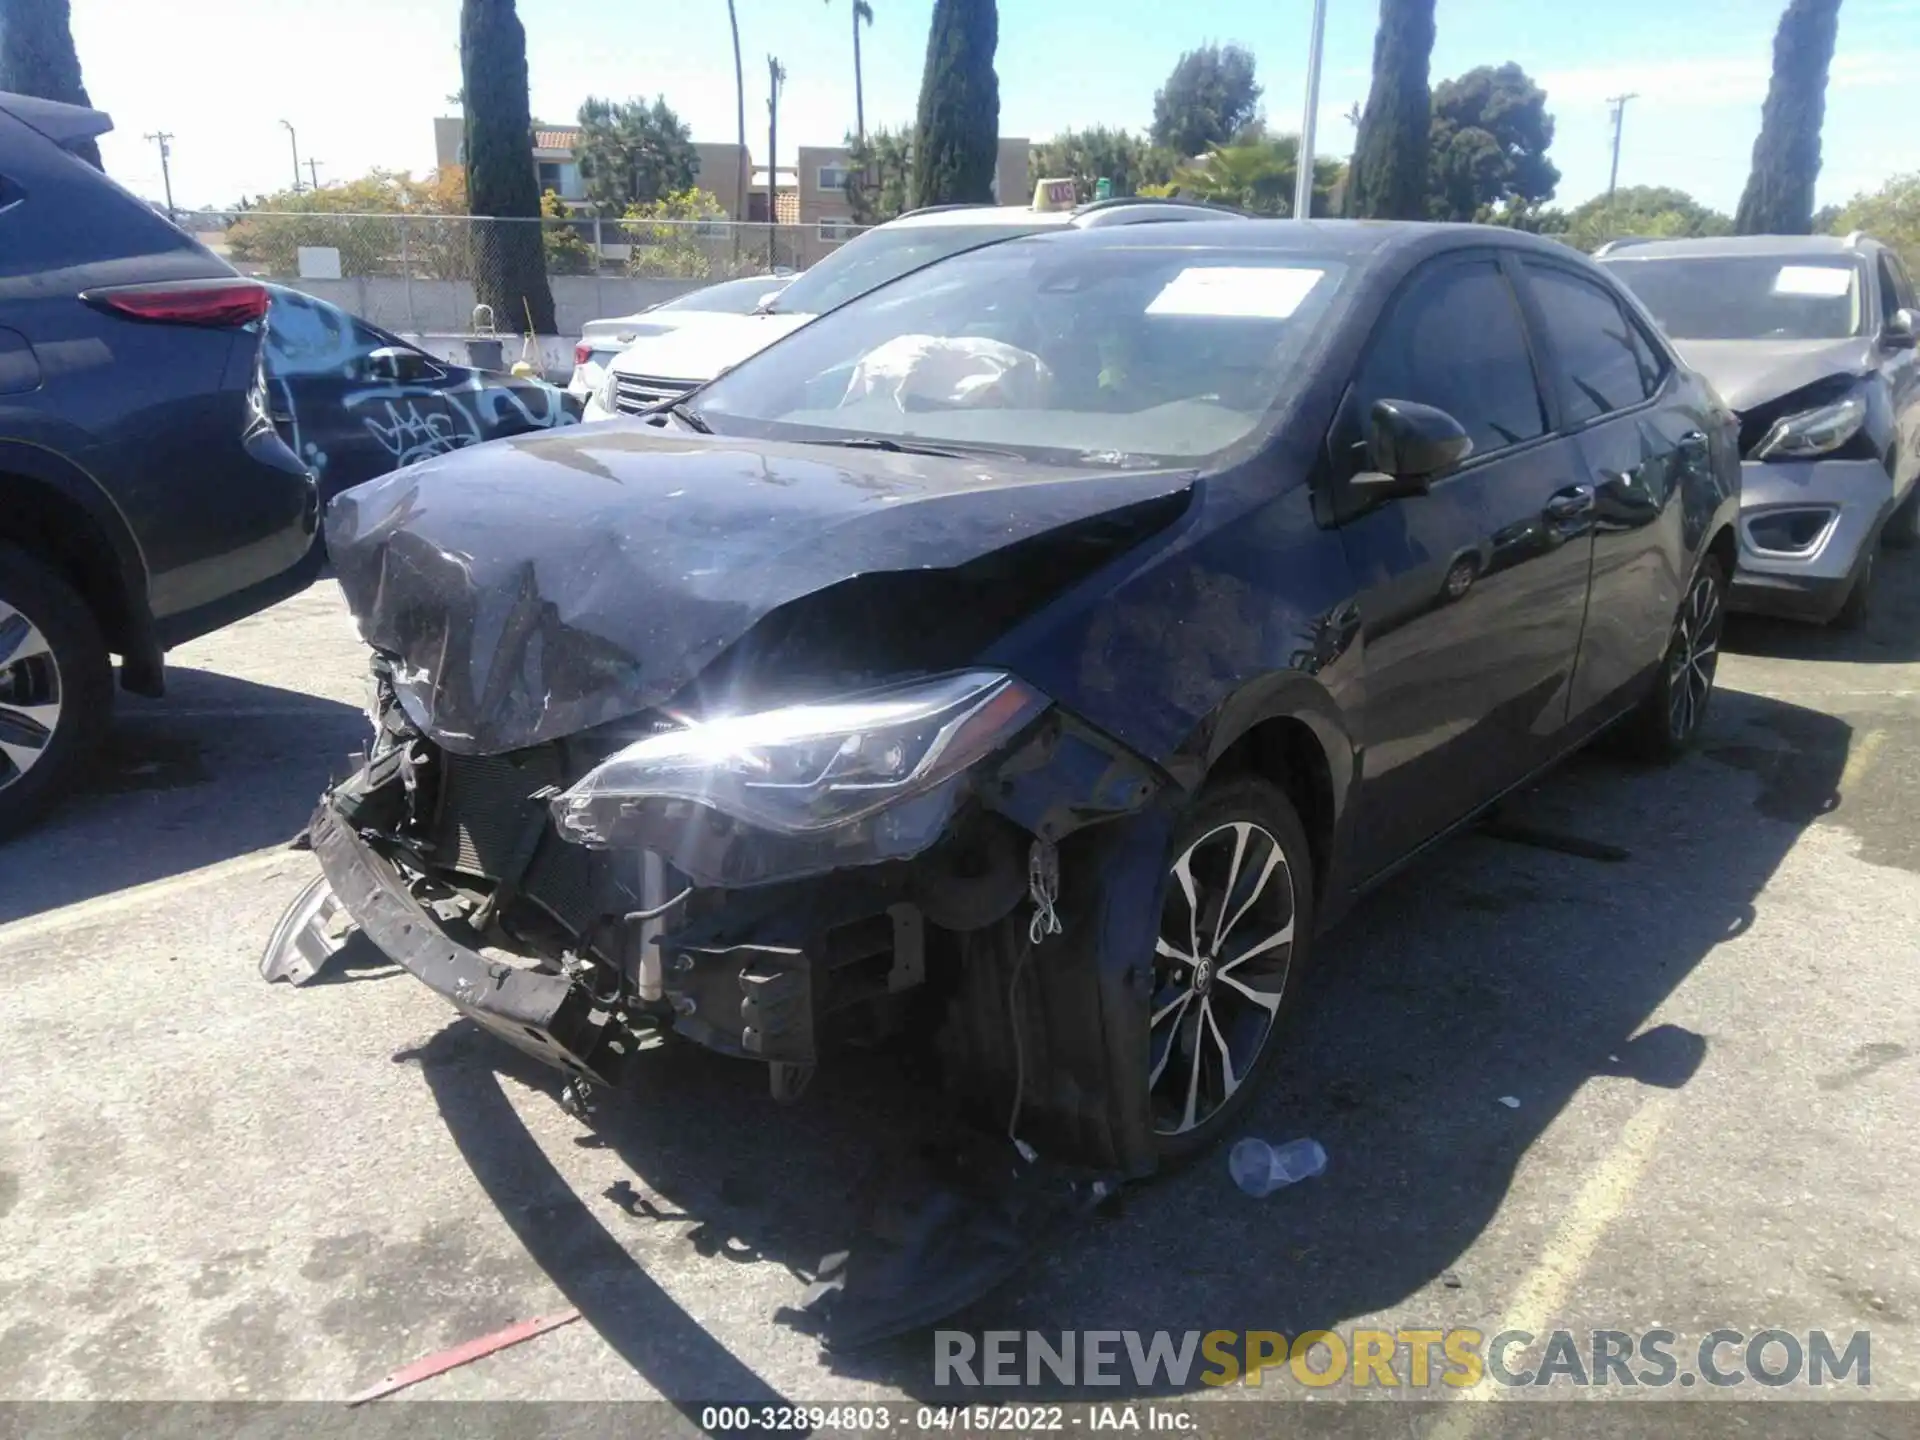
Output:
(1602, 361)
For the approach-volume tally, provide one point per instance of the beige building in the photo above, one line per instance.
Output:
(813, 193)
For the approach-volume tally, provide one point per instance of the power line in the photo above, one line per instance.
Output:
(164, 139)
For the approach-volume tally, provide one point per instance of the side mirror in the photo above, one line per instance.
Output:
(1409, 444)
(1902, 332)
(397, 363)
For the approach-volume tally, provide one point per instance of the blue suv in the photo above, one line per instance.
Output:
(145, 496)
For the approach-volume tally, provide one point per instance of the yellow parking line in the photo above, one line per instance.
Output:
(1859, 757)
(1571, 1249)
(137, 897)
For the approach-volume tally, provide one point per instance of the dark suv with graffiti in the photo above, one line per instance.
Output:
(1027, 659)
(145, 497)
(356, 402)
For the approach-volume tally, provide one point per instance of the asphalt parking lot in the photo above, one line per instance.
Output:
(213, 1188)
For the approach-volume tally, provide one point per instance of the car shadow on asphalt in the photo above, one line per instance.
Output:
(219, 768)
(1489, 970)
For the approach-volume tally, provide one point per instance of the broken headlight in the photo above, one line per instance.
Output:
(745, 799)
(1819, 431)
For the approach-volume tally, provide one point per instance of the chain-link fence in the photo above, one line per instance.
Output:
(425, 274)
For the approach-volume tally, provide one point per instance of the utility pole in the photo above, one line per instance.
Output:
(287, 125)
(1303, 168)
(313, 171)
(1619, 104)
(776, 77)
(164, 139)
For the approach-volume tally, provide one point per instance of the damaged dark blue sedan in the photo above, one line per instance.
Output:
(1028, 659)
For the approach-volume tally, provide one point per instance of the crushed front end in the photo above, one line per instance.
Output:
(774, 886)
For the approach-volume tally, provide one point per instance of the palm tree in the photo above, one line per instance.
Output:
(862, 15)
(740, 108)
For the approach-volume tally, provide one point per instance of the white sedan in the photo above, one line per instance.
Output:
(601, 340)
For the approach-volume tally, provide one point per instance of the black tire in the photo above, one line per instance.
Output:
(1853, 614)
(1665, 725)
(1250, 993)
(72, 677)
(1903, 526)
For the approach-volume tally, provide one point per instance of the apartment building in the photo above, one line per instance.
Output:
(813, 193)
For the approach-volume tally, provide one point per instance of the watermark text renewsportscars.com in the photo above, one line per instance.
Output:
(1403, 1359)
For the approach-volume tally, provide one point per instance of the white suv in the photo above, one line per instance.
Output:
(657, 368)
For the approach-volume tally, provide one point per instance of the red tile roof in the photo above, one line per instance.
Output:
(555, 139)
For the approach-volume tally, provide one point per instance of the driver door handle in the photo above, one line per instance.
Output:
(1570, 503)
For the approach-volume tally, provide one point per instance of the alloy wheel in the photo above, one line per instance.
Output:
(1694, 655)
(30, 701)
(1220, 971)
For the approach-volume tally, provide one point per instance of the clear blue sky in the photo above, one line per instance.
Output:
(362, 79)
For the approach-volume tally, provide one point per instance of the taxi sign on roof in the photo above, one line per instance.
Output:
(1053, 195)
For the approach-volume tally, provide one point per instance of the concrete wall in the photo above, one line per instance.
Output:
(720, 168)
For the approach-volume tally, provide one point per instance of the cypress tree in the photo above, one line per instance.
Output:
(957, 135)
(1778, 199)
(509, 263)
(37, 58)
(1388, 177)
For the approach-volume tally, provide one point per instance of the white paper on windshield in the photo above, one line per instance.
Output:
(1262, 292)
(1830, 281)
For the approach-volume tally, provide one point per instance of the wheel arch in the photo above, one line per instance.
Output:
(56, 511)
(1288, 730)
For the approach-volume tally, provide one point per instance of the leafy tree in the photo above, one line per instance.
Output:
(37, 58)
(633, 153)
(1257, 177)
(1890, 214)
(1209, 96)
(349, 216)
(1488, 146)
(1778, 199)
(1390, 153)
(879, 175)
(956, 140)
(509, 269)
(670, 238)
(568, 251)
(1650, 210)
(1086, 156)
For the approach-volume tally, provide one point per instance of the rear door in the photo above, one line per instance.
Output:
(1639, 430)
(1471, 596)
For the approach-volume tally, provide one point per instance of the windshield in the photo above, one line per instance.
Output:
(729, 297)
(1746, 297)
(1111, 354)
(869, 261)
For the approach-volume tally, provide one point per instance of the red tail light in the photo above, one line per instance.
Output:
(582, 353)
(221, 302)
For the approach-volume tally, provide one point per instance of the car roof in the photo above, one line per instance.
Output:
(1346, 239)
(1729, 245)
(978, 215)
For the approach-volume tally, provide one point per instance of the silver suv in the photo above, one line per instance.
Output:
(1811, 340)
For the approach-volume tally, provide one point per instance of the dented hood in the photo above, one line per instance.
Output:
(1747, 373)
(536, 587)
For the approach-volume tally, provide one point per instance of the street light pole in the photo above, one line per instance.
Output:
(164, 138)
(295, 139)
(1303, 174)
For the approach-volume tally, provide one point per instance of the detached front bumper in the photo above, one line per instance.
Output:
(1807, 530)
(546, 1015)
